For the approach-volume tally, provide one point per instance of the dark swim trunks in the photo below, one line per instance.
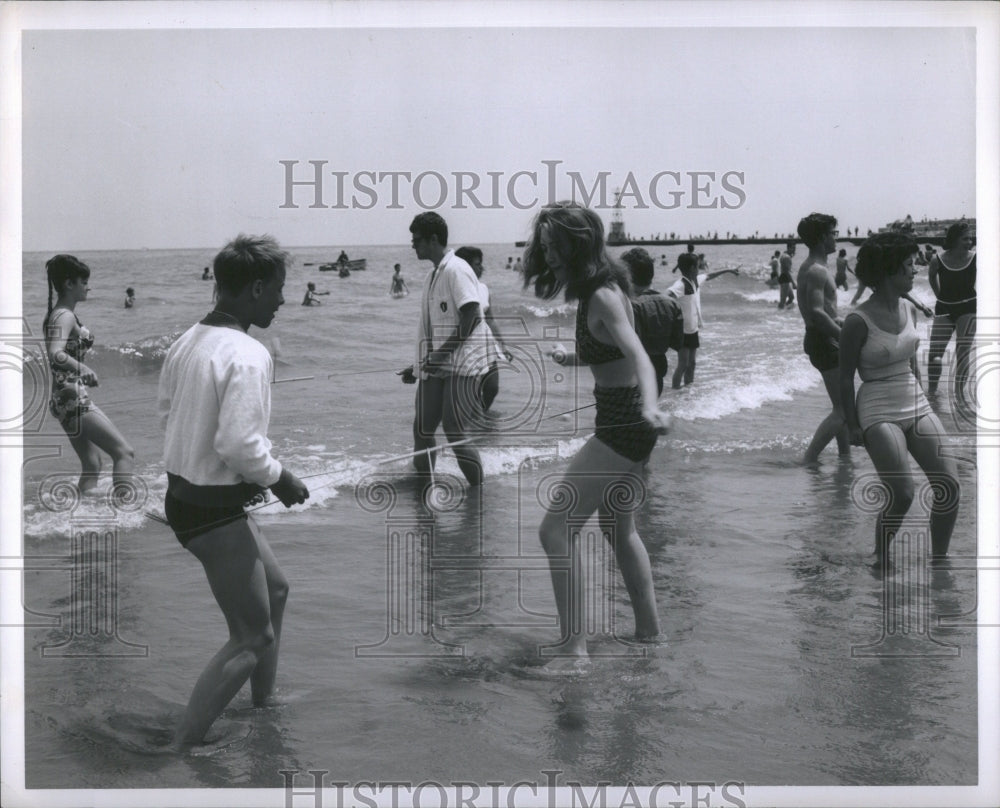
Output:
(189, 521)
(691, 341)
(823, 350)
(620, 424)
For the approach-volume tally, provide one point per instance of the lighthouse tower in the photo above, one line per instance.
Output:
(617, 233)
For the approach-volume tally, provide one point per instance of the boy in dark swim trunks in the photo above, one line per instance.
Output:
(785, 280)
(817, 300)
(214, 396)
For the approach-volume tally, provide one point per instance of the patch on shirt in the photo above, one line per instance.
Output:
(444, 305)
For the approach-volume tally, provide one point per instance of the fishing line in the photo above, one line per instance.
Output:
(569, 412)
(157, 518)
(154, 397)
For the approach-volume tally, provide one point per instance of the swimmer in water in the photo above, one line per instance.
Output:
(311, 295)
(397, 286)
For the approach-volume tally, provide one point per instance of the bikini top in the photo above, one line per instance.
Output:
(958, 284)
(885, 354)
(589, 349)
(77, 346)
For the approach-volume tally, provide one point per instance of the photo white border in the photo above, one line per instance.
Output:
(16, 17)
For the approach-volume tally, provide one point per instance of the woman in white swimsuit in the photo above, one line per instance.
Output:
(890, 416)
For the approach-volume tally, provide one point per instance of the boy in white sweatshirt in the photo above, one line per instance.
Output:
(214, 396)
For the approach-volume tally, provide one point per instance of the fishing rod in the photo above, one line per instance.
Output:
(361, 372)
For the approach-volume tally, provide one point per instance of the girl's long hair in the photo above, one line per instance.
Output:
(578, 235)
(59, 269)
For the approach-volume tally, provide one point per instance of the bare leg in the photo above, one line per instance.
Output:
(262, 678)
(924, 442)
(238, 580)
(887, 448)
(683, 356)
(689, 370)
(833, 426)
(965, 335)
(633, 561)
(590, 472)
(90, 459)
(941, 331)
(94, 430)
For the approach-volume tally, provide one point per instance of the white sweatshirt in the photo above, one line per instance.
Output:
(215, 400)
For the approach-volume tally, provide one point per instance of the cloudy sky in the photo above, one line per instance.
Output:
(167, 130)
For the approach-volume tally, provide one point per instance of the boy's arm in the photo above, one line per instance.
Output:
(718, 272)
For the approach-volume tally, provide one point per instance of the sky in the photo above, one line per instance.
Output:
(166, 137)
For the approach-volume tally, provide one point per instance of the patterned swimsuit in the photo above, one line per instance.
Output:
(69, 399)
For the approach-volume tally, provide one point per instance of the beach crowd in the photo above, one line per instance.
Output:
(214, 401)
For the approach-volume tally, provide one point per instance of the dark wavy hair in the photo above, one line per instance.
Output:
(429, 223)
(883, 255)
(578, 235)
(640, 265)
(813, 227)
(59, 269)
(954, 234)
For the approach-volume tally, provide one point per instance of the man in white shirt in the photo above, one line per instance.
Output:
(495, 351)
(214, 397)
(687, 290)
(449, 359)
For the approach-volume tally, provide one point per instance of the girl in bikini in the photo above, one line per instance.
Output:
(567, 251)
(67, 341)
(890, 416)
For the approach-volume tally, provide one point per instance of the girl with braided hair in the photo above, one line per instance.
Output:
(67, 341)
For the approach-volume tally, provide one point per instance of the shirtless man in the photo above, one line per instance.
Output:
(817, 300)
(785, 277)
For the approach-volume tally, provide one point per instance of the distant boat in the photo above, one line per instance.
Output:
(356, 265)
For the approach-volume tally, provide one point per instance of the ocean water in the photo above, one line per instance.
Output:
(411, 640)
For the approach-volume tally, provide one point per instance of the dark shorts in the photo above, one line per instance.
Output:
(189, 521)
(823, 350)
(691, 341)
(955, 310)
(620, 424)
(784, 277)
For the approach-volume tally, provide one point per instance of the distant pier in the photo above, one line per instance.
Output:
(937, 241)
